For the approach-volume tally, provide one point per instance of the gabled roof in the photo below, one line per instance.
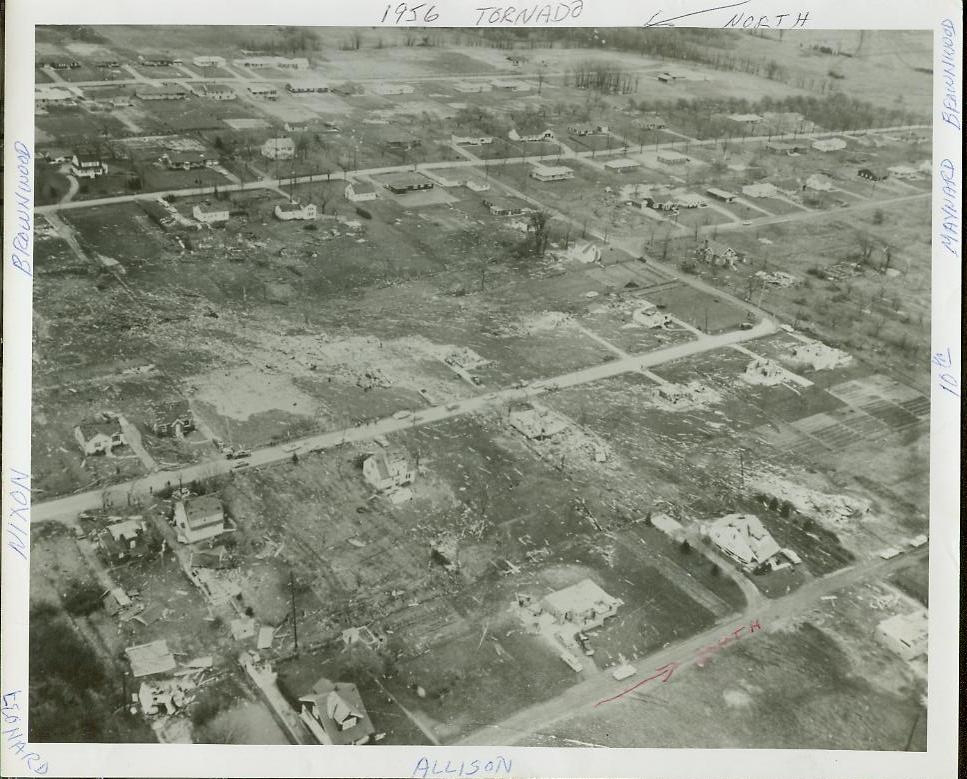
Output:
(744, 537)
(336, 704)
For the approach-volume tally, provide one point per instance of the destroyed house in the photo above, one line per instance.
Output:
(124, 541)
(532, 136)
(400, 183)
(650, 122)
(263, 90)
(505, 207)
(534, 424)
(471, 139)
(743, 538)
(208, 61)
(388, 469)
(668, 157)
(200, 518)
(334, 713)
(187, 160)
(905, 634)
(289, 211)
(60, 64)
(209, 215)
(872, 175)
(279, 149)
(585, 129)
(174, 418)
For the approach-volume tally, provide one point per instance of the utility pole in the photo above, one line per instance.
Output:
(295, 618)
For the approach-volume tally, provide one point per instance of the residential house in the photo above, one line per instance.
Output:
(163, 92)
(198, 519)
(531, 137)
(99, 435)
(282, 63)
(187, 160)
(720, 194)
(743, 538)
(175, 418)
(214, 91)
(387, 469)
(504, 207)
(87, 165)
(829, 144)
(472, 86)
(551, 172)
(690, 200)
(717, 254)
(400, 183)
(780, 147)
(158, 61)
(117, 603)
(585, 129)
(471, 140)
(210, 215)
(403, 143)
(124, 541)
(359, 191)
(669, 157)
(649, 121)
(475, 184)
(290, 211)
(583, 605)
(279, 149)
(536, 424)
(267, 91)
(905, 634)
(121, 101)
(208, 61)
(334, 713)
(622, 165)
(306, 86)
(60, 64)
(511, 84)
(658, 200)
(45, 96)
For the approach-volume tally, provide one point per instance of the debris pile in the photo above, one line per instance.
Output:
(819, 356)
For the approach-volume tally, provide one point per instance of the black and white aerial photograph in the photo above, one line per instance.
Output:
(558, 387)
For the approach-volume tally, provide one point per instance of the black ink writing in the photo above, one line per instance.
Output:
(547, 13)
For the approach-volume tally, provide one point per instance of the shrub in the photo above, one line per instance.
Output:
(82, 598)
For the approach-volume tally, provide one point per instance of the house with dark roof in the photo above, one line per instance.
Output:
(334, 713)
(173, 418)
(87, 165)
(187, 160)
(401, 183)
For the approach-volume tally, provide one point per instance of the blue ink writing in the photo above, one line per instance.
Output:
(944, 361)
(10, 711)
(499, 766)
(949, 208)
(949, 59)
(18, 521)
(541, 14)
(22, 192)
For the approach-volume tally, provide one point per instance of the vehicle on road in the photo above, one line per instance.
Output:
(403, 414)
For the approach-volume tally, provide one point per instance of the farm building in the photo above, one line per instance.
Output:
(400, 183)
(551, 173)
(187, 160)
(743, 538)
(99, 435)
(668, 157)
(175, 418)
(289, 211)
(278, 149)
(720, 194)
(584, 605)
(388, 469)
(198, 519)
(471, 140)
(358, 191)
(506, 207)
(622, 165)
(905, 634)
(829, 144)
(87, 165)
(334, 713)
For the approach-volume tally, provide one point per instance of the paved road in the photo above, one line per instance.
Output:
(582, 697)
(66, 509)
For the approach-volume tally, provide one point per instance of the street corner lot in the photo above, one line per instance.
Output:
(708, 313)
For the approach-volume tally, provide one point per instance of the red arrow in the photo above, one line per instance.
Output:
(665, 671)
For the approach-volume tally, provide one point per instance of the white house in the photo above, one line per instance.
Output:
(622, 165)
(819, 183)
(198, 519)
(86, 165)
(279, 149)
(358, 191)
(583, 605)
(829, 144)
(289, 211)
(334, 713)
(212, 216)
(388, 469)
(100, 435)
(534, 137)
(551, 173)
(743, 538)
(477, 184)
(905, 634)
